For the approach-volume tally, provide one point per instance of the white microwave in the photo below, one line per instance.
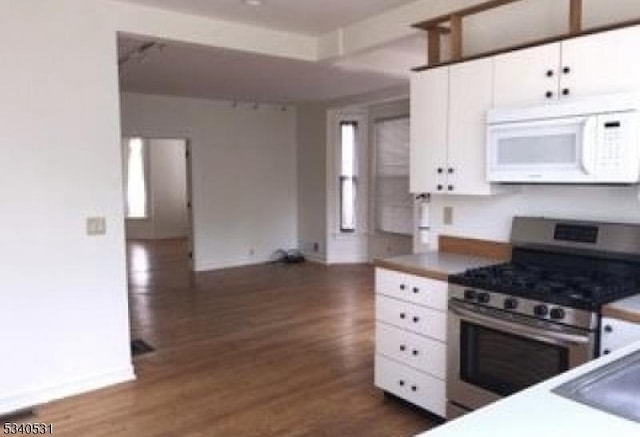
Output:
(590, 141)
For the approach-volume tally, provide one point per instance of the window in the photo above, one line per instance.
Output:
(136, 187)
(393, 201)
(348, 176)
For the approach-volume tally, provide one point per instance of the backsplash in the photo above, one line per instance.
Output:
(490, 217)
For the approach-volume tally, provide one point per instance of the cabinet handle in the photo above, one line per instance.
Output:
(608, 328)
(549, 94)
(401, 382)
(415, 353)
(566, 92)
(403, 315)
(566, 70)
(414, 388)
(606, 352)
(416, 290)
(440, 170)
(403, 347)
(416, 319)
(450, 170)
(549, 73)
(450, 187)
(439, 187)
(402, 286)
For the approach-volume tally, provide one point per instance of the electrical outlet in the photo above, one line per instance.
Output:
(448, 215)
(96, 226)
(316, 247)
(252, 251)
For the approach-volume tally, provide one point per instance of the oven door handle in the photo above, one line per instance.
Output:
(514, 327)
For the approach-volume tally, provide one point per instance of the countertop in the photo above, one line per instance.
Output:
(537, 411)
(624, 309)
(434, 264)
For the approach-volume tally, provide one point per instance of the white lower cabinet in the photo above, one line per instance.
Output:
(411, 347)
(616, 334)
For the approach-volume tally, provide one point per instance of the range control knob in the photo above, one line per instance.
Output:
(540, 310)
(484, 297)
(470, 294)
(510, 303)
(557, 313)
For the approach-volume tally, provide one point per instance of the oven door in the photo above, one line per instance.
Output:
(492, 353)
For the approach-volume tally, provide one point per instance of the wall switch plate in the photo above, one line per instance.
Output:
(96, 225)
(447, 216)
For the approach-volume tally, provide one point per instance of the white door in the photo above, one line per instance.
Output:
(429, 103)
(470, 97)
(602, 63)
(527, 76)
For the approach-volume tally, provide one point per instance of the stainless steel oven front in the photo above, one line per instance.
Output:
(493, 353)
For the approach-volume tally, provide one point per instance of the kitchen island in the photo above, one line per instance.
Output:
(538, 411)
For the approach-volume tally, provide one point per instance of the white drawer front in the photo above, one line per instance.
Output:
(416, 387)
(421, 320)
(424, 354)
(423, 291)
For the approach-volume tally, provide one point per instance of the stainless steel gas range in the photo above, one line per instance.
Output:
(515, 324)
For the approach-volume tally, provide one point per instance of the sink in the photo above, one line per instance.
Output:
(613, 388)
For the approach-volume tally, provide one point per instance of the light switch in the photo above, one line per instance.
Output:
(96, 226)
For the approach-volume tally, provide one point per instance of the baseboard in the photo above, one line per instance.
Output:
(208, 265)
(21, 401)
(315, 258)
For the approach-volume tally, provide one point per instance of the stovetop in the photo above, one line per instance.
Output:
(583, 285)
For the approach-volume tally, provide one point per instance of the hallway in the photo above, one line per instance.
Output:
(267, 350)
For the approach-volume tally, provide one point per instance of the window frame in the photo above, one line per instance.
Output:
(343, 179)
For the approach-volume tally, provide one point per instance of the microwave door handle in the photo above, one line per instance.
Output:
(589, 134)
(516, 327)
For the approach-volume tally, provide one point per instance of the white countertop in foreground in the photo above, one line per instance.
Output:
(537, 412)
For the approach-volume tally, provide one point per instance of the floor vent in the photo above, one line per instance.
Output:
(139, 347)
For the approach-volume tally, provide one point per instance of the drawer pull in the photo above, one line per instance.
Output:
(414, 388)
(403, 315)
(402, 286)
(416, 290)
(415, 352)
(608, 328)
(401, 382)
(403, 347)
(416, 319)
(606, 352)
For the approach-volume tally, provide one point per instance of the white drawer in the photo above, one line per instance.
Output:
(423, 291)
(421, 320)
(424, 354)
(416, 387)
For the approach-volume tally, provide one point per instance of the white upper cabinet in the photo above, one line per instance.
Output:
(528, 76)
(470, 97)
(428, 143)
(448, 111)
(602, 63)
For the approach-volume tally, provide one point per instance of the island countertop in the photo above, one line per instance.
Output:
(538, 411)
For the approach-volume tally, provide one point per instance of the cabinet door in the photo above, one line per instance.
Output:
(616, 334)
(527, 76)
(429, 103)
(470, 97)
(602, 63)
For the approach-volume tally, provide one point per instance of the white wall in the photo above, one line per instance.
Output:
(243, 169)
(311, 139)
(64, 325)
(168, 214)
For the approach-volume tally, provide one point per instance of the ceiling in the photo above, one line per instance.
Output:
(310, 17)
(205, 72)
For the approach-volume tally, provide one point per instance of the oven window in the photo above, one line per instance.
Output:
(504, 363)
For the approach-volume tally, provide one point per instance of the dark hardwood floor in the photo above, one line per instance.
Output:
(270, 350)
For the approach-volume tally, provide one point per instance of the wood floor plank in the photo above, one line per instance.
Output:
(269, 350)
